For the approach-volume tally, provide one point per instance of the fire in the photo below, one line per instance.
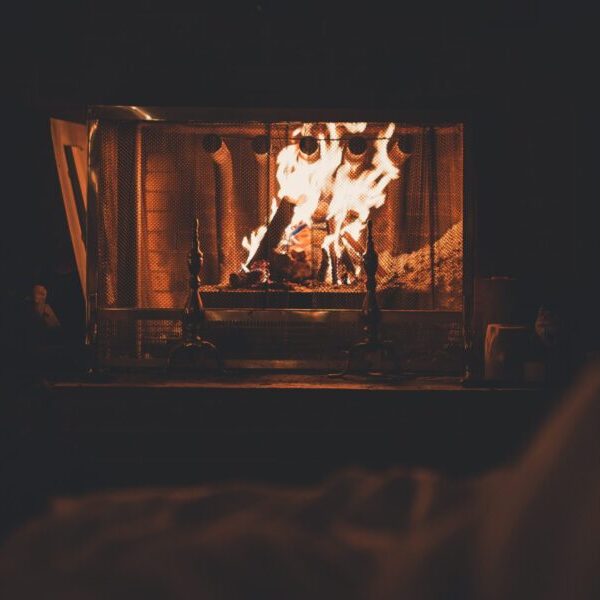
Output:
(251, 243)
(331, 188)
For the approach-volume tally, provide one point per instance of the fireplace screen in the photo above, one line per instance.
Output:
(283, 208)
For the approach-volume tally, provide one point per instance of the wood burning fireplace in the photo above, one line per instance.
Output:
(282, 199)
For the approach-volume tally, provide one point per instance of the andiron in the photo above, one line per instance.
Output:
(191, 353)
(358, 354)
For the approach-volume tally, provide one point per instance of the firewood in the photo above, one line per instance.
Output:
(334, 263)
(246, 279)
(286, 268)
(323, 266)
(274, 232)
(348, 262)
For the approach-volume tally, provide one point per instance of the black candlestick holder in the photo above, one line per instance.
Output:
(372, 344)
(192, 352)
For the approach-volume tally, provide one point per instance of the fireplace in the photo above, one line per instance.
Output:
(282, 200)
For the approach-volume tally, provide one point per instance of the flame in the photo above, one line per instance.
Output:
(252, 243)
(355, 127)
(327, 188)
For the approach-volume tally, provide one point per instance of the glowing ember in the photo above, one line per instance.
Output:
(331, 188)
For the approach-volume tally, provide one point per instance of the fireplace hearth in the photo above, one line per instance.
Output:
(282, 206)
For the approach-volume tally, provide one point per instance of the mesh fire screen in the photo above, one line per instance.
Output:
(283, 210)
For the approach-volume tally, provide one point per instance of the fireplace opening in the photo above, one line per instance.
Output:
(283, 208)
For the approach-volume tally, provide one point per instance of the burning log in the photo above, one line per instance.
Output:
(331, 227)
(274, 232)
(229, 250)
(322, 274)
(258, 275)
(343, 265)
(299, 255)
(287, 268)
(334, 265)
(347, 262)
(261, 146)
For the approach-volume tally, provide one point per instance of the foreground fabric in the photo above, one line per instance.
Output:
(532, 531)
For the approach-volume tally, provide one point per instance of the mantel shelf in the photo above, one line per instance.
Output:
(289, 381)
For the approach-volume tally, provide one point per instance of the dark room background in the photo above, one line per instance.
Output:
(520, 71)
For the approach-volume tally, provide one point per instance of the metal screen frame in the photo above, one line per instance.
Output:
(147, 115)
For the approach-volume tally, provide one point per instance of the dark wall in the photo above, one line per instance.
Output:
(522, 72)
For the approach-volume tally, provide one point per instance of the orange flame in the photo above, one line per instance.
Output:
(252, 242)
(340, 191)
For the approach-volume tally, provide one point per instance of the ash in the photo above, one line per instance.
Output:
(412, 271)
